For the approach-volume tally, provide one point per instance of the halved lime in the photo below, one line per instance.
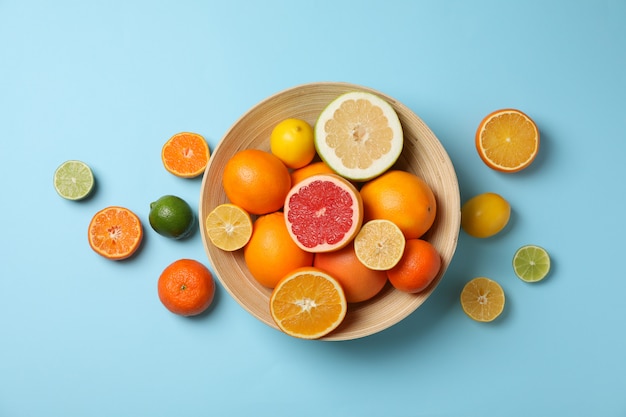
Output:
(73, 180)
(531, 263)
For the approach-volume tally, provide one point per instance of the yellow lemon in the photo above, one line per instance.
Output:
(292, 142)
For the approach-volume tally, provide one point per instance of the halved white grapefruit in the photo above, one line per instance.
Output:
(359, 135)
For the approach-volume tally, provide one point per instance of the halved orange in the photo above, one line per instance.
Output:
(185, 155)
(115, 233)
(308, 303)
(507, 140)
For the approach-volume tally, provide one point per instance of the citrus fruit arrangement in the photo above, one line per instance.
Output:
(507, 141)
(185, 287)
(324, 218)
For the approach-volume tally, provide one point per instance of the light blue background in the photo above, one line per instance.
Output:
(109, 82)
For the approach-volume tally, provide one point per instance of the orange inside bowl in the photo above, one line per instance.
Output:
(423, 155)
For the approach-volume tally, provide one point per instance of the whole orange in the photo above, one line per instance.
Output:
(417, 268)
(309, 170)
(256, 181)
(402, 197)
(271, 253)
(359, 283)
(186, 287)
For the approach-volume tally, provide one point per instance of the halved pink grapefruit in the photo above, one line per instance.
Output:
(323, 213)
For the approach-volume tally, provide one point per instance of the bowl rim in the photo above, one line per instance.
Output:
(409, 302)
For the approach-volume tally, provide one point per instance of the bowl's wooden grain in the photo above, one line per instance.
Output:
(423, 155)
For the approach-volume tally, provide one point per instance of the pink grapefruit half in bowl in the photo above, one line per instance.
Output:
(422, 154)
(323, 213)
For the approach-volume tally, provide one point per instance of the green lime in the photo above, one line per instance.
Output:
(172, 217)
(531, 263)
(73, 180)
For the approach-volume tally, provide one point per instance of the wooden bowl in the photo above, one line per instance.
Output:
(423, 155)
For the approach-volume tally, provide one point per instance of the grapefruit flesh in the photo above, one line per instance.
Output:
(323, 213)
(359, 135)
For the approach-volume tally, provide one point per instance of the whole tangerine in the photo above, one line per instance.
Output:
(256, 181)
(186, 287)
(271, 253)
(359, 282)
(417, 268)
(402, 197)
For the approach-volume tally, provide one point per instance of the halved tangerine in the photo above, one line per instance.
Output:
(115, 233)
(185, 155)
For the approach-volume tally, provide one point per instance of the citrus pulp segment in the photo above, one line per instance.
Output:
(531, 263)
(359, 135)
(482, 299)
(379, 245)
(115, 233)
(185, 154)
(73, 180)
(229, 227)
(507, 140)
(323, 212)
(308, 303)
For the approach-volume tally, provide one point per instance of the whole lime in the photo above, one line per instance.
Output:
(172, 217)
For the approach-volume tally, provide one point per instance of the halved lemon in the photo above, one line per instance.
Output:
(229, 227)
(379, 245)
(482, 299)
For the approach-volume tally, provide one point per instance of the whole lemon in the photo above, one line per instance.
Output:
(293, 143)
(485, 215)
(172, 217)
